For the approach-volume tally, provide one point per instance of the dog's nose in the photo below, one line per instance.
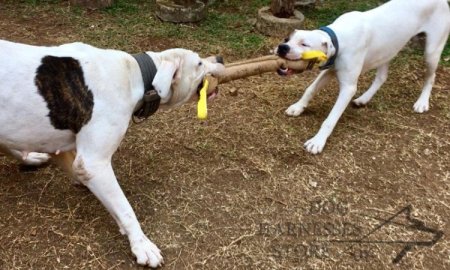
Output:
(219, 60)
(283, 49)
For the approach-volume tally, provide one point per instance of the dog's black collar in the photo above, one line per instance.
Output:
(151, 99)
(334, 40)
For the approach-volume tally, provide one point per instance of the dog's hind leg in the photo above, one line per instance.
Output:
(380, 78)
(29, 159)
(434, 46)
(321, 81)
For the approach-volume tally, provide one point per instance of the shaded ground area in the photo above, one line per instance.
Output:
(239, 191)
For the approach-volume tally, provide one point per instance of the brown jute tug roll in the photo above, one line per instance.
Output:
(252, 67)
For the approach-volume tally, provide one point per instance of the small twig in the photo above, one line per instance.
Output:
(45, 187)
(277, 201)
(226, 248)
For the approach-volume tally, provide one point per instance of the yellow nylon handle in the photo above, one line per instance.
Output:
(202, 106)
(308, 55)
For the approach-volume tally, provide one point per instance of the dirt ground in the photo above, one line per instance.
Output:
(239, 191)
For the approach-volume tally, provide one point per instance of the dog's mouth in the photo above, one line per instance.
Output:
(210, 95)
(285, 71)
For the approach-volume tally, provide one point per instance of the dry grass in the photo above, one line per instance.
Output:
(202, 190)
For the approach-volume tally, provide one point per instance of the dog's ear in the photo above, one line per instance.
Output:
(328, 48)
(168, 71)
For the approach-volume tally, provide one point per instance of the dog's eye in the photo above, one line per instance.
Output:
(286, 40)
(200, 64)
(305, 45)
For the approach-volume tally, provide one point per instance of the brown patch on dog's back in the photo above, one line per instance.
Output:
(60, 81)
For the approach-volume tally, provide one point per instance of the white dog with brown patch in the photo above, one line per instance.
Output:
(360, 41)
(74, 103)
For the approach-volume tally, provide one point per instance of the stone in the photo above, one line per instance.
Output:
(305, 3)
(273, 26)
(168, 11)
(233, 91)
(93, 4)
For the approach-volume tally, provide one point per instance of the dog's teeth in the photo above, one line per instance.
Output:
(57, 152)
(25, 155)
(282, 71)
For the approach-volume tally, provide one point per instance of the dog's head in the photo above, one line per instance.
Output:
(180, 75)
(301, 41)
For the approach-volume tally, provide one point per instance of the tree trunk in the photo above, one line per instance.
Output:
(282, 8)
(185, 3)
(93, 3)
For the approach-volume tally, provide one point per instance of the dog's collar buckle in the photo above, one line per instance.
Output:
(151, 99)
(150, 104)
(334, 40)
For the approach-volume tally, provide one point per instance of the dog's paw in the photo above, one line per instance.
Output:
(421, 106)
(295, 109)
(35, 159)
(359, 102)
(315, 145)
(147, 253)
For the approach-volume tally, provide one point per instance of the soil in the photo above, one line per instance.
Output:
(239, 191)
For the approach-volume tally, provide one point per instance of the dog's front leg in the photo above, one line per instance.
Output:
(347, 91)
(321, 81)
(96, 173)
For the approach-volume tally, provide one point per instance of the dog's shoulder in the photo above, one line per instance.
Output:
(78, 46)
(84, 48)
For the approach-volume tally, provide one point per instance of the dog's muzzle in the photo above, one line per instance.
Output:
(283, 50)
(211, 94)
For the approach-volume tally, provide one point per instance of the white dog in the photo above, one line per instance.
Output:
(360, 41)
(75, 97)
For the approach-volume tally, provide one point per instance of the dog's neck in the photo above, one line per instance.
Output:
(334, 44)
(151, 100)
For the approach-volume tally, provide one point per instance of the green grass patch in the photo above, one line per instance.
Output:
(232, 29)
(38, 2)
(330, 10)
(445, 59)
(123, 7)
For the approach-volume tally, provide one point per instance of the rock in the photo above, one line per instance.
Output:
(313, 183)
(305, 3)
(168, 11)
(273, 26)
(233, 91)
(93, 4)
